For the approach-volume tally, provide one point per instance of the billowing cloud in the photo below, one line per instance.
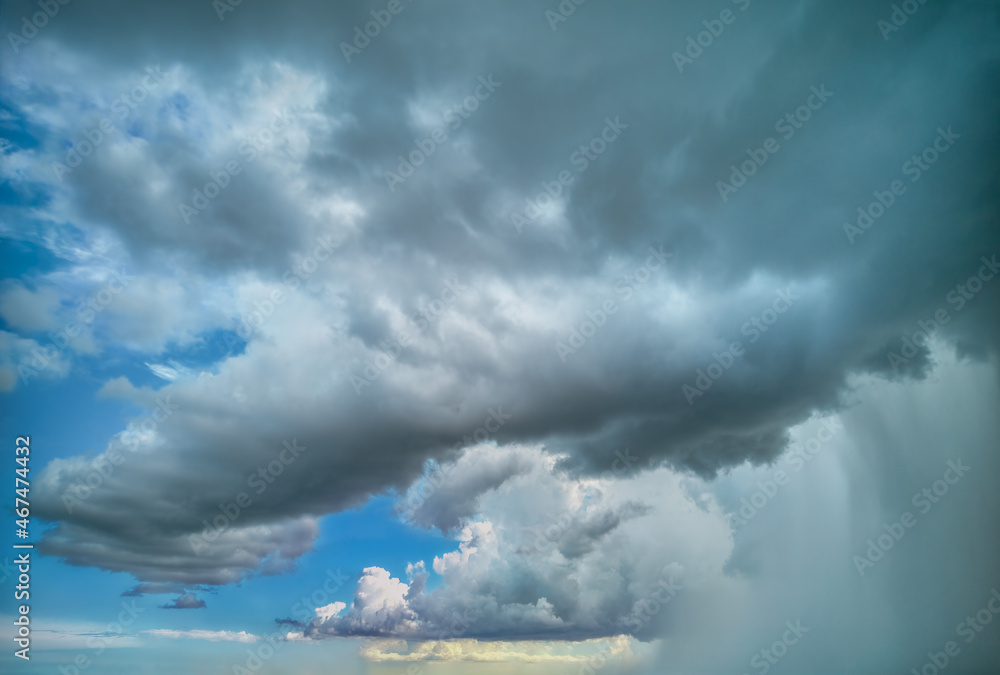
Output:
(740, 566)
(547, 554)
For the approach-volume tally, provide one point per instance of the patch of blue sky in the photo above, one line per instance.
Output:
(20, 257)
(16, 130)
(136, 130)
(24, 194)
(178, 104)
(350, 541)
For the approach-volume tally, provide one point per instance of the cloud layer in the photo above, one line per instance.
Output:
(234, 222)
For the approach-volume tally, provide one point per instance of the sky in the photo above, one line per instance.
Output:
(501, 337)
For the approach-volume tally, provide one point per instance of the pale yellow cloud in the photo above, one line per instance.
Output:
(618, 647)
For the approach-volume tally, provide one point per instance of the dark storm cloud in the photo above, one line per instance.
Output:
(654, 184)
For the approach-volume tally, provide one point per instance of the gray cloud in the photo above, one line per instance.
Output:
(186, 601)
(496, 344)
(153, 589)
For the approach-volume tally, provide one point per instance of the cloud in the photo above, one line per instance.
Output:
(186, 601)
(288, 372)
(546, 555)
(526, 651)
(508, 578)
(75, 635)
(24, 359)
(169, 372)
(793, 559)
(209, 635)
(443, 502)
(153, 589)
(28, 310)
(238, 553)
